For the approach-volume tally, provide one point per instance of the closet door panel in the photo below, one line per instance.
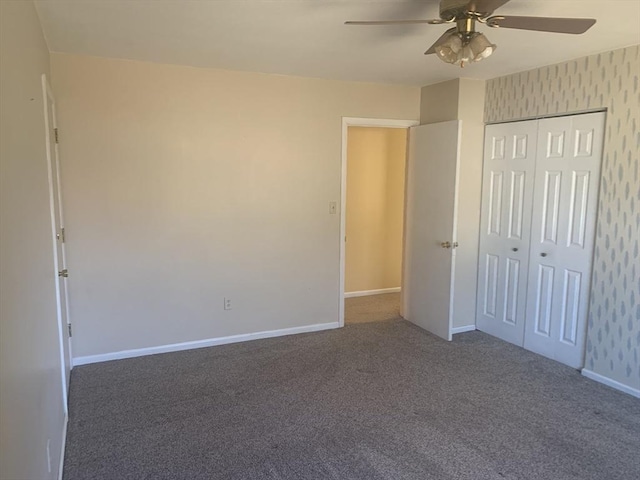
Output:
(517, 204)
(509, 164)
(562, 235)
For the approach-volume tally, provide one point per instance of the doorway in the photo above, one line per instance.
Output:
(372, 218)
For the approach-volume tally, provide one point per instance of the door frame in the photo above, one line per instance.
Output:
(358, 122)
(606, 112)
(47, 96)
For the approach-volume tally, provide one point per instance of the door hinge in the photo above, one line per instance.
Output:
(69, 327)
(55, 134)
(62, 234)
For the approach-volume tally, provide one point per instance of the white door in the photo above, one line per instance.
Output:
(505, 222)
(562, 235)
(430, 231)
(57, 225)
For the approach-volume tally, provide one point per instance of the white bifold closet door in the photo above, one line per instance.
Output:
(562, 235)
(539, 206)
(505, 224)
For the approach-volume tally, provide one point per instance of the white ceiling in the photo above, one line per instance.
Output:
(308, 38)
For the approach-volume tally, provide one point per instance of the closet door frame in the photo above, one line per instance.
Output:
(580, 334)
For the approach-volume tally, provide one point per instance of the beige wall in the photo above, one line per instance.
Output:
(31, 409)
(186, 185)
(607, 80)
(462, 99)
(439, 102)
(376, 160)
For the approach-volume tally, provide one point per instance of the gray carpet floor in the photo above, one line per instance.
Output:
(372, 308)
(372, 401)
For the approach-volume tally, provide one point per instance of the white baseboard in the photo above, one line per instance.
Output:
(464, 328)
(208, 342)
(364, 293)
(64, 443)
(635, 392)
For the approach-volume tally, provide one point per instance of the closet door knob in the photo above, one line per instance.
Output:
(543, 254)
(514, 249)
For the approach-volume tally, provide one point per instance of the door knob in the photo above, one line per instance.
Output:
(63, 273)
(543, 254)
(445, 244)
(514, 249)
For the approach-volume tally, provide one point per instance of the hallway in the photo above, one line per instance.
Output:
(372, 308)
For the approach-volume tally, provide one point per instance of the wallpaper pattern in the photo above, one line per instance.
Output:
(608, 80)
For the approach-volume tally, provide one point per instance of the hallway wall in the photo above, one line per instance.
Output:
(376, 160)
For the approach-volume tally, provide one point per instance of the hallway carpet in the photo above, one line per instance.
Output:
(372, 401)
(372, 308)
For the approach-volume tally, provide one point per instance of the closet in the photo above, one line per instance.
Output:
(539, 205)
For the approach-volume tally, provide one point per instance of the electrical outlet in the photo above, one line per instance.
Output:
(227, 303)
(333, 208)
(49, 454)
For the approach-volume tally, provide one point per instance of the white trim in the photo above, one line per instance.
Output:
(365, 293)
(551, 115)
(378, 122)
(634, 392)
(346, 123)
(463, 329)
(64, 443)
(208, 342)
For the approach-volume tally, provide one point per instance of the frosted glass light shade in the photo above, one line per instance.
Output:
(459, 49)
(449, 50)
(480, 47)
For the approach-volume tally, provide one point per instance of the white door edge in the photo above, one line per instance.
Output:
(454, 233)
(47, 95)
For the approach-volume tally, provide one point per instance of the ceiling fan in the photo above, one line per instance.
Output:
(462, 44)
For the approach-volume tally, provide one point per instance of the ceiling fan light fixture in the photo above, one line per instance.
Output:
(462, 44)
(449, 50)
(459, 48)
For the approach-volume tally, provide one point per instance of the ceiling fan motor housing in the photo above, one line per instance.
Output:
(455, 9)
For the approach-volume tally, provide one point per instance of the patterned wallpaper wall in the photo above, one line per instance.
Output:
(607, 80)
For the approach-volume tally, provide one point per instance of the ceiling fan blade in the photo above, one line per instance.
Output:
(436, 21)
(543, 24)
(485, 7)
(443, 37)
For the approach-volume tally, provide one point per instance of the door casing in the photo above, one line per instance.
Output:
(57, 221)
(346, 123)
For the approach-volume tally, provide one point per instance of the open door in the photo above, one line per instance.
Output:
(57, 228)
(430, 231)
